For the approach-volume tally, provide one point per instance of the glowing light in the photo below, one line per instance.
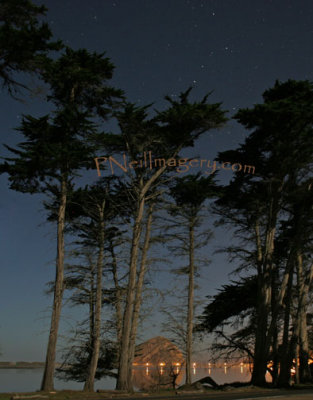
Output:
(194, 365)
(162, 364)
(147, 364)
(241, 367)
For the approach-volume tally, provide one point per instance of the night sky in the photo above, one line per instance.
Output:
(237, 48)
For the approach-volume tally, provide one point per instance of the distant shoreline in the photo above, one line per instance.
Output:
(23, 365)
(38, 364)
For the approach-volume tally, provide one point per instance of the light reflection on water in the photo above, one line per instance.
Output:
(144, 378)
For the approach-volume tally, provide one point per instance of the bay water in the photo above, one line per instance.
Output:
(28, 380)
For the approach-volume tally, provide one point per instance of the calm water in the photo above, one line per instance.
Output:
(28, 380)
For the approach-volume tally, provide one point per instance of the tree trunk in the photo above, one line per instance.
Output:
(263, 309)
(90, 380)
(265, 269)
(284, 373)
(190, 304)
(303, 287)
(91, 306)
(274, 305)
(297, 364)
(277, 302)
(47, 380)
(138, 297)
(91, 310)
(304, 369)
(294, 350)
(122, 380)
(117, 302)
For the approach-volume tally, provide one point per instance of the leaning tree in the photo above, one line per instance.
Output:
(165, 135)
(57, 146)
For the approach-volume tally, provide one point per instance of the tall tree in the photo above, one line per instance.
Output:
(164, 135)
(96, 208)
(280, 147)
(99, 206)
(190, 194)
(297, 232)
(56, 148)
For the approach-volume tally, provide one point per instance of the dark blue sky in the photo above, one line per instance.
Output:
(238, 48)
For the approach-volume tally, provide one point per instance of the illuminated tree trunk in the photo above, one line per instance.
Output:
(47, 380)
(91, 304)
(263, 337)
(303, 287)
(284, 373)
(123, 380)
(190, 304)
(118, 302)
(90, 380)
(263, 309)
(274, 323)
(138, 297)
